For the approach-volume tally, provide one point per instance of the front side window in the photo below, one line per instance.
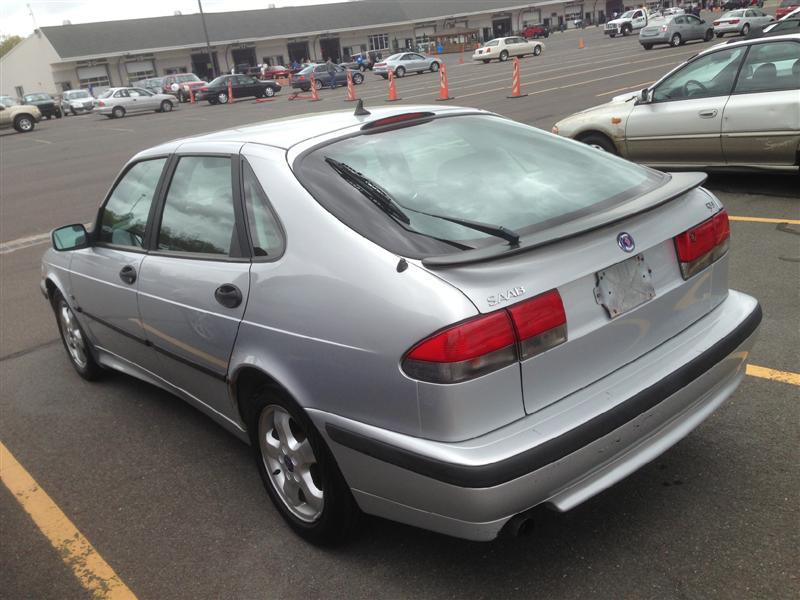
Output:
(708, 76)
(198, 211)
(770, 67)
(265, 232)
(123, 219)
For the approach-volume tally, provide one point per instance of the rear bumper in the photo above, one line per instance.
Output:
(560, 456)
(728, 28)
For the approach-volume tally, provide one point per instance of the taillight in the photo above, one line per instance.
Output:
(101, 103)
(716, 23)
(733, 21)
(700, 246)
(664, 28)
(301, 77)
(489, 342)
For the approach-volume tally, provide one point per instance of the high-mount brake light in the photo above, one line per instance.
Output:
(703, 245)
(413, 116)
(489, 342)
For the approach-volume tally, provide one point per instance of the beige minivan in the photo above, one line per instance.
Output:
(22, 117)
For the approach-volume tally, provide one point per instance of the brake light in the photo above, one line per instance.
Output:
(664, 28)
(716, 23)
(703, 245)
(489, 342)
(101, 103)
(733, 21)
(383, 64)
(413, 116)
(301, 77)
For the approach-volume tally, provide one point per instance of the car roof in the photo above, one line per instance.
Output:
(758, 40)
(287, 132)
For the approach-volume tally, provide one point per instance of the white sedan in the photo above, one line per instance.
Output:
(741, 21)
(503, 48)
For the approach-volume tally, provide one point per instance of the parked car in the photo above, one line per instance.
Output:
(152, 84)
(406, 62)
(243, 86)
(405, 354)
(76, 102)
(675, 30)
(182, 85)
(781, 27)
(302, 79)
(118, 102)
(539, 30)
(732, 106)
(741, 21)
(507, 47)
(45, 103)
(22, 117)
(368, 60)
(786, 8)
(675, 10)
(275, 71)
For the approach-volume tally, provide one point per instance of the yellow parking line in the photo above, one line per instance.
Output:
(94, 574)
(765, 220)
(782, 376)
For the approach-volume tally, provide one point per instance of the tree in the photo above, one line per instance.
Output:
(7, 42)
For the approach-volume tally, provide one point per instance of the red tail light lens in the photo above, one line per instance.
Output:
(733, 21)
(101, 103)
(700, 246)
(489, 342)
(301, 77)
(664, 28)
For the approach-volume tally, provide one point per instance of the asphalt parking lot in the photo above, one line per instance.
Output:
(173, 505)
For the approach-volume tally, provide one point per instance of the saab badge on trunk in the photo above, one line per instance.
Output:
(625, 242)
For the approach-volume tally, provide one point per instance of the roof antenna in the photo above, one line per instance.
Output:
(360, 110)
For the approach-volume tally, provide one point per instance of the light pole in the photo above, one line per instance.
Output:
(208, 43)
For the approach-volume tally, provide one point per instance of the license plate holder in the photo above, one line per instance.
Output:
(624, 286)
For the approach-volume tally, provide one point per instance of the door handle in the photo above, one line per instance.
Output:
(708, 114)
(128, 274)
(228, 295)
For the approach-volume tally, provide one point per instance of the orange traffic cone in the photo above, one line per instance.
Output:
(230, 92)
(516, 86)
(351, 90)
(392, 88)
(314, 92)
(444, 88)
(581, 44)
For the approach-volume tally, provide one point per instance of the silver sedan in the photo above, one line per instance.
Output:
(741, 21)
(118, 102)
(401, 322)
(406, 62)
(675, 30)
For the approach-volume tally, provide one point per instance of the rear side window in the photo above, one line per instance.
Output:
(265, 232)
(770, 67)
(198, 211)
(124, 217)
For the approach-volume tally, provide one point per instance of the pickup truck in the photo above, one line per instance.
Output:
(626, 24)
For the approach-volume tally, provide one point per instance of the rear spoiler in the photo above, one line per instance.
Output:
(677, 185)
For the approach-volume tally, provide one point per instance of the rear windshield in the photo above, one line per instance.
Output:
(788, 3)
(476, 167)
(76, 94)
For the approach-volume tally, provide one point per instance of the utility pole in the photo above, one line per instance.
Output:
(208, 43)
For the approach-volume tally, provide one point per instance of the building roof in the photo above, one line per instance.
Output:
(135, 36)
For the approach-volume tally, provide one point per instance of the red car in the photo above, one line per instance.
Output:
(179, 85)
(276, 71)
(786, 7)
(536, 31)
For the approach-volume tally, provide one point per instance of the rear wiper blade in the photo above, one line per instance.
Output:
(379, 196)
(511, 236)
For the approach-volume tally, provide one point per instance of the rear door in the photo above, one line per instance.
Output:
(194, 282)
(683, 122)
(761, 121)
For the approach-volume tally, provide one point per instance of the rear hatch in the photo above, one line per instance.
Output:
(619, 305)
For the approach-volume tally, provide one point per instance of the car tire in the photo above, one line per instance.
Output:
(166, 106)
(222, 97)
(269, 92)
(709, 35)
(434, 67)
(72, 111)
(746, 29)
(647, 46)
(77, 345)
(599, 141)
(118, 112)
(486, 61)
(213, 101)
(675, 40)
(719, 35)
(318, 84)
(24, 123)
(400, 72)
(358, 78)
(294, 462)
(537, 50)
(626, 30)
(504, 56)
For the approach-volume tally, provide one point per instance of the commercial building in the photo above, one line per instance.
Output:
(113, 53)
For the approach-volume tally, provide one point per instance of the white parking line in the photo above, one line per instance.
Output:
(40, 141)
(630, 87)
(26, 242)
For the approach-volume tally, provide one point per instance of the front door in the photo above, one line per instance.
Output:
(195, 281)
(683, 122)
(105, 277)
(761, 122)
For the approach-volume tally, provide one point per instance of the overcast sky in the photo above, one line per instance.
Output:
(15, 17)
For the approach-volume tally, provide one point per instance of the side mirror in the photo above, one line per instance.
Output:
(644, 97)
(70, 237)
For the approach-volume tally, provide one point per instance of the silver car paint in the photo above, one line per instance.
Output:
(688, 27)
(415, 63)
(330, 319)
(142, 103)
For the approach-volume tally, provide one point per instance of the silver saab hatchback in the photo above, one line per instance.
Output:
(404, 323)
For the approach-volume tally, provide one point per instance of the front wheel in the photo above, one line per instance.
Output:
(358, 79)
(504, 56)
(24, 123)
(434, 67)
(74, 340)
(166, 106)
(626, 31)
(675, 40)
(486, 61)
(746, 29)
(537, 50)
(719, 35)
(400, 72)
(298, 470)
(612, 35)
(269, 92)
(118, 112)
(599, 141)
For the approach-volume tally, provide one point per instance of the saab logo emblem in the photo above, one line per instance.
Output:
(625, 242)
(506, 296)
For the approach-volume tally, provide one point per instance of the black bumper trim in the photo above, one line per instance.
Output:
(483, 476)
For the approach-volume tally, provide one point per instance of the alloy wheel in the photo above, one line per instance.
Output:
(73, 337)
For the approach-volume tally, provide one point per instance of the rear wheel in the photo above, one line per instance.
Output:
(358, 78)
(599, 141)
(709, 35)
(435, 66)
(486, 61)
(74, 340)
(675, 40)
(298, 469)
(166, 106)
(746, 29)
(648, 46)
(504, 56)
(222, 97)
(24, 123)
(719, 35)
(118, 112)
